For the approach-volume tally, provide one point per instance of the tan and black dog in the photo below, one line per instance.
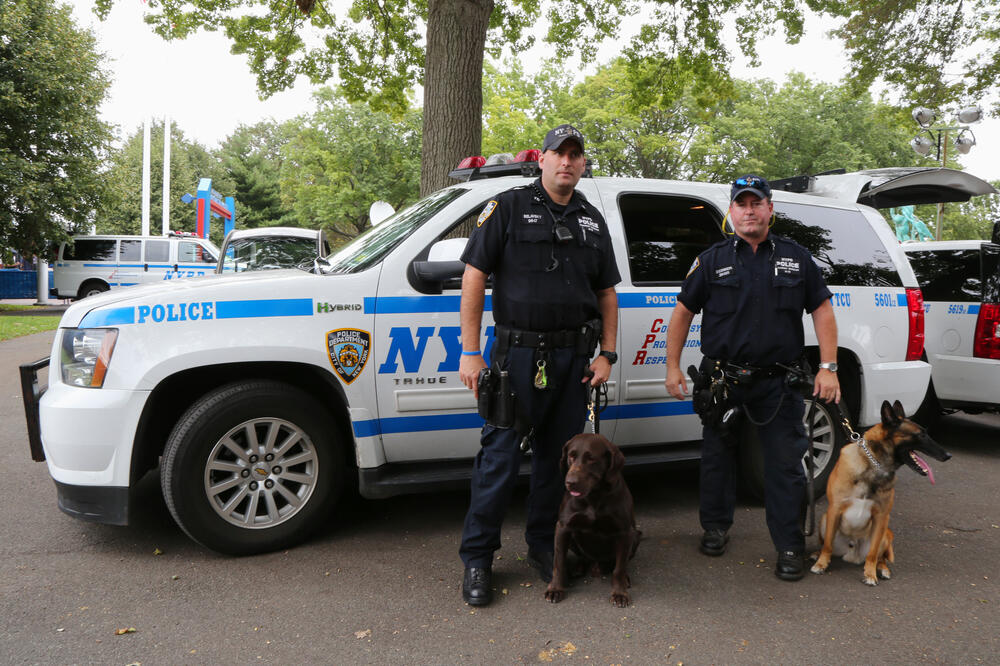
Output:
(861, 491)
(596, 517)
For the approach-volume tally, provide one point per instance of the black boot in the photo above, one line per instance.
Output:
(789, 566)
(541, 560)
(714, 542)
(476, 586)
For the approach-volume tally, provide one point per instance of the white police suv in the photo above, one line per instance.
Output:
(262, 397)
(960, 281)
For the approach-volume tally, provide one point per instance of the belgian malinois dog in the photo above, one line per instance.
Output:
(861, 491)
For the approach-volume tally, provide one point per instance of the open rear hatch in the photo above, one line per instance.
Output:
(885, 188)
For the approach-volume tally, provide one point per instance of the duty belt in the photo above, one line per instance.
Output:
(745, 372)
(512, 337)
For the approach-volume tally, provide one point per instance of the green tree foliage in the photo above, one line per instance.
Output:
(519, 109)
(971, 219)
(121, 210)
(51, 140)
(380, 51)
(252, 158)
(934, 53)
(343, 158)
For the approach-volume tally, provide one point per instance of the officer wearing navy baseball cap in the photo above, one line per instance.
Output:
(554, 275)
(752, 290)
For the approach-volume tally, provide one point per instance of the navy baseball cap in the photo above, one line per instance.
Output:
(556, 136)
(750, 183)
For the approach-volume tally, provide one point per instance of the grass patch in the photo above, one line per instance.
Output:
(12, 307)
(13, 326)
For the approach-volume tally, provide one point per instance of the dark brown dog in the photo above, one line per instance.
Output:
(596, 518)
(861, 491)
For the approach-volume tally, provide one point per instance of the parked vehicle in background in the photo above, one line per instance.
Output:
(94, 264)
(960, 281)
(267, 248)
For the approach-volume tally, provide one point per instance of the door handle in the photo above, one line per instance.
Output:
(175, 268)
(145, 267)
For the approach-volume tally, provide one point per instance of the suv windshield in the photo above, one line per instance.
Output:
(370, 247)
(261, 253)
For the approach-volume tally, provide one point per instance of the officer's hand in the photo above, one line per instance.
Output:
(676, 384)
(827, 386)
(601, 369)
(468, 371)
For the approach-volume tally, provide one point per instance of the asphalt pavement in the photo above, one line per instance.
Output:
(381, 583)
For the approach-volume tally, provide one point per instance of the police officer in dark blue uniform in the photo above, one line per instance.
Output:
(753, 289)
(554, 275)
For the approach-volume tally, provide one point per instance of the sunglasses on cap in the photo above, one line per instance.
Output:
(752, 181)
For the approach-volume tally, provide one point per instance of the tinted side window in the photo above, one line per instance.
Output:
(842, 243)
(91, 249)
(948, 275)
(157, 251)
(191, 253)
(665, 234)
(130, 250)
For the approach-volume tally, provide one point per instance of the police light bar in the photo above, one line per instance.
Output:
(525, 164)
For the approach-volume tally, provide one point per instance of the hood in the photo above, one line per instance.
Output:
(208, 288)
(886, 188)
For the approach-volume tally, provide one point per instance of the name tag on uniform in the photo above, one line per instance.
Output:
(786, 266)
(723, 271)
(532, 218)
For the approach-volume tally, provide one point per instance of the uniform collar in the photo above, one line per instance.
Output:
(575, 201)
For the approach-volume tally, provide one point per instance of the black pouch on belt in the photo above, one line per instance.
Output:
(503, 414)
(485, 388)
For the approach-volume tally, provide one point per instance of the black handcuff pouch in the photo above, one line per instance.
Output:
(496, 399)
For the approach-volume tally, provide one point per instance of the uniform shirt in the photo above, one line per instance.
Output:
(753, 302)
(538, 283)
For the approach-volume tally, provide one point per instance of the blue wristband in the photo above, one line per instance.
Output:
(472, 353)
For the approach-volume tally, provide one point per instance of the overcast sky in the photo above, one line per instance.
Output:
(208, 92)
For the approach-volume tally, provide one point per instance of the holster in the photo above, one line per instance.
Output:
(712, 401)
(497, 402)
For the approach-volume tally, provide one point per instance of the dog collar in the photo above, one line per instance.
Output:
(864, 447)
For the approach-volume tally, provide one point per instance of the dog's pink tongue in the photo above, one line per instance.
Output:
(575, 493)
(924, 466)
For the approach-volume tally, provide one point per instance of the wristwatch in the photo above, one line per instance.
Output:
(832, 367)
(610, 355)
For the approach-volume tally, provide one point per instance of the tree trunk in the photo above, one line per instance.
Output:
(453, 87)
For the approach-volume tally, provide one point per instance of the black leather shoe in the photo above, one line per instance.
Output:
(542, 562)
(476, 586)
(789, 566)
(714, 542)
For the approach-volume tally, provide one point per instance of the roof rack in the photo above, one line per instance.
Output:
(802, 183)
(525, 169)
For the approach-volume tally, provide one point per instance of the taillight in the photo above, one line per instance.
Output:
(915, 309)
(530, 155)
(472, 162)
(987, 340)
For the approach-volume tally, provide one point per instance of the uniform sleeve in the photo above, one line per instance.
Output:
(816, 289)
(486, 244)
(694, 291)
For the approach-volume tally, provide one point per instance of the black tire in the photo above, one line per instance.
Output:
(91, 288)
(930, 412)
(828, 438)
(236, 501)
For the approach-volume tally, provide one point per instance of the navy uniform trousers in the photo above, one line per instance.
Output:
(784, 442)
(557, 414)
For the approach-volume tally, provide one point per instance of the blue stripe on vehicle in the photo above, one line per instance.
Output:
(901, 301)
(432, 304)
(656, 299)
(278, 307)
(109, 317)
(406, 424)
(974, 309)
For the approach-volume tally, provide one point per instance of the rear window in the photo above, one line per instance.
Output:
(90, 249)
(948, 275)
(665, 234)
(842, 242)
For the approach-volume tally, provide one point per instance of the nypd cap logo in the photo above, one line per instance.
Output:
(348, 349)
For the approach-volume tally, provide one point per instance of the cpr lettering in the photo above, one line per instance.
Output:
(403, 347)
(177, 312)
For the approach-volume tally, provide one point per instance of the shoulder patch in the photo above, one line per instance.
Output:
(485, 215)
(694, 266)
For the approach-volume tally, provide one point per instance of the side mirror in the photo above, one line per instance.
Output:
(443, 268)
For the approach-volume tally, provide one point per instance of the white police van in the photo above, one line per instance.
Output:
(262, 396)
(91, 265)
(960, 281)
(268, 248)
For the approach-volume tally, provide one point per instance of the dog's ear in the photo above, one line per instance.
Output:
(616, 459)
(897, 407)
(889, 417)
(564, 460)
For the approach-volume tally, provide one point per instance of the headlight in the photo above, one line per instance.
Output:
(86, 353)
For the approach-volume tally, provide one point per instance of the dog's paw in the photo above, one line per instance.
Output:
(620, 599)
(555, 595)
(870, 580)
(817, 569)
(884, 573)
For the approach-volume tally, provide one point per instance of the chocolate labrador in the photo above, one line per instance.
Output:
(596, 518)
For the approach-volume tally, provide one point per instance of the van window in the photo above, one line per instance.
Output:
(157, 251)
(90, 249)
(130, 250)
(948, 275)
(842, 243)
(665, 234)
(193, 253)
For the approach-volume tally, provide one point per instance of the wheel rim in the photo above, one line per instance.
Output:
(261, 473)
(823, 440)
